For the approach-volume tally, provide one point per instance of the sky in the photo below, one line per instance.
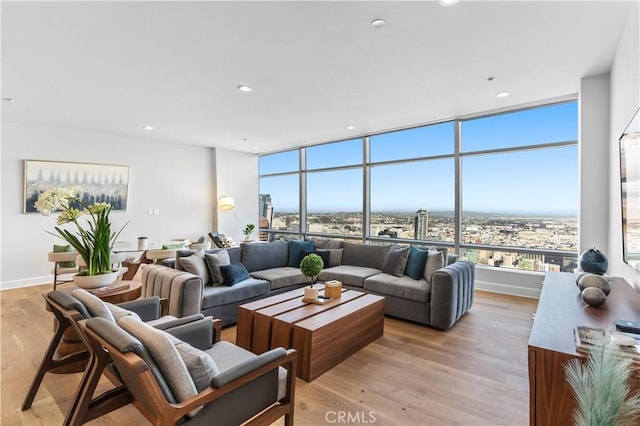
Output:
(540, 182)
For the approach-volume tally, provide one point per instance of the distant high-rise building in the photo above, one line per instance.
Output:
(266, 215)
(421, 224)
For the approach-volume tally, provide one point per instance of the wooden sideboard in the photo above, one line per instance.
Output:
(552, 343)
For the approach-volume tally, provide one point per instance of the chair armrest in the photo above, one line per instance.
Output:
(451, 293)
(147, 309)
(242, 369)
(175, 322)
(199, 333)
(182, 289)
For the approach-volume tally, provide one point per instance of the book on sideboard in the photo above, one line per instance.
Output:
(588, 337)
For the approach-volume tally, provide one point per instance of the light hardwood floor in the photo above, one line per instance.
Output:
(474, 374)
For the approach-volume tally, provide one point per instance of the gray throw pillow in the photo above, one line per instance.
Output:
(435, 261)
(335, 257)
(165, 355)
(214, 262)
(396, 260)
(196, 265)
(202, 368)
(119, 312)
(95, 305)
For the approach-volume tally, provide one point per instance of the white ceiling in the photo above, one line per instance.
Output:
(316, 66)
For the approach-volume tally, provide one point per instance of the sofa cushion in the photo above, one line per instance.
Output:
(324, 255)
(224, 295)
(233, 273)
(259, 256)
(365, 255)
(416, 262)
(296, 251)
(196, 265)
(214, 262)
(396, 260)
(435, 261)
(281, 277)
(335, 256)
(348, 274)
(403, 287)
(228, 355)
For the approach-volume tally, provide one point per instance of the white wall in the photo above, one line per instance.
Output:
(176, 179)
(607, 104)
(593, 212)
(237, 174)
(625, 101)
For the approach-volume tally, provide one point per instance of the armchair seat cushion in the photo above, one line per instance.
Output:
(348, 274)
(224, 295)
(281, 277)
(404, 287)
(227, 355)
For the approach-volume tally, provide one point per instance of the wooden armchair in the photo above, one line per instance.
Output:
(62, 262)
(240, 387)
(68, 311)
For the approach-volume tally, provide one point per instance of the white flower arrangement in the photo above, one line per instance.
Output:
(95, 244)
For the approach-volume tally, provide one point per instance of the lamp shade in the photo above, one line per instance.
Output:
(226, 203)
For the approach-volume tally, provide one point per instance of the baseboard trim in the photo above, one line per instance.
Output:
(27, 282)
(532, 293)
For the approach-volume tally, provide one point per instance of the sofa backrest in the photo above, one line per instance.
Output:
(235, 254)
(259, 256)
(326, 243)
(365, 255)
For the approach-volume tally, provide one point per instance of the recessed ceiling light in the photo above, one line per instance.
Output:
(9, 99)
(448, 2)
(502, 94)
(491, 79)
(245, 88)
(350, 127)
(377, 23)
(147, 128)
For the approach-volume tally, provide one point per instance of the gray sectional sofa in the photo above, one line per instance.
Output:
(436, 292)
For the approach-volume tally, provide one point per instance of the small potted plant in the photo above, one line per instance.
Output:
(248, 230)
(311, 266)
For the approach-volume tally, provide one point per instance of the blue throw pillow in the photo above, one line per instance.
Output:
(296, 251)
(324, 255)
(233, 273)
(416, 262)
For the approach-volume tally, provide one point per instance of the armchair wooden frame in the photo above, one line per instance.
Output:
(84, 407)
(151, 402)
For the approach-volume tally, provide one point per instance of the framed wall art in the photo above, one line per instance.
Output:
(95, 182)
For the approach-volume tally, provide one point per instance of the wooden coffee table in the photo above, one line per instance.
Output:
(323, 335)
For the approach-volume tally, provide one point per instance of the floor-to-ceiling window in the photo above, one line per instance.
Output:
(519, 188)
(499, 189)
(279, 201)
(412, 181)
